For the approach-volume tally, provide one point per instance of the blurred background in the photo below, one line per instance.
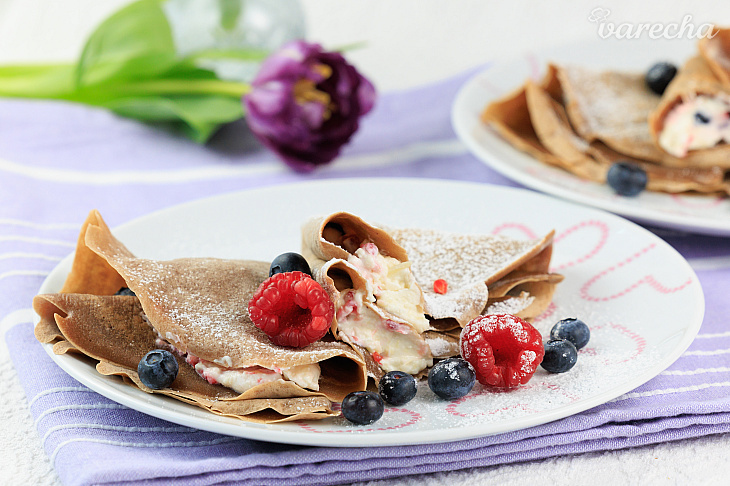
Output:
(407, 43)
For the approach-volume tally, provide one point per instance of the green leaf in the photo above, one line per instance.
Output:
(201, 114)
(134, 42)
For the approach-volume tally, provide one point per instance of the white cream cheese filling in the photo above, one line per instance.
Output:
(395, 346)
(696, 123)
(241, 380)
(392, 284)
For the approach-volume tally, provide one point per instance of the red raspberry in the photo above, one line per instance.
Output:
(503, 349)
(292, 309)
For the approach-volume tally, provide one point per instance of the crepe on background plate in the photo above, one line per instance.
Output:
(199, 307)
(583, 120)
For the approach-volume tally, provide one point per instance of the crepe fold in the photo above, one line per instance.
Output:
(367, 275)
(484, 274)
(112, 331)
(696, 77)
(715, 50)
(583, 120)
(199, 306)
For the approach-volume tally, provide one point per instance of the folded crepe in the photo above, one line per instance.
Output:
(198, 307)
(715, 49)
(111, 330)
(378, 304)
(584, 120)
(692, 121)
(485, 274)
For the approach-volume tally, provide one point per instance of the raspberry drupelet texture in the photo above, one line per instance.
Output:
(504, 350)
(292, 309)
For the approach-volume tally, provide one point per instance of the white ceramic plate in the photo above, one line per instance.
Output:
(620, 278)
(700, 214)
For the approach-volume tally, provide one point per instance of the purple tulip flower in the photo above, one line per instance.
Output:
(305, 104)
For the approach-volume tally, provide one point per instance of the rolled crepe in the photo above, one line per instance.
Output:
(694, 79)
(199, 307)
(378, 304)
(387, 342)
(380, 260)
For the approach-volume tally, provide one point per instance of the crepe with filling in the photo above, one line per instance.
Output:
(375, 255)
(592, 160)
(379, 306)
(111, 330)
(199, 308)
(584, 120)
(484, 273)
(695, 78)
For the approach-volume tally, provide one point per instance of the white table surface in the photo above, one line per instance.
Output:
(409, 42)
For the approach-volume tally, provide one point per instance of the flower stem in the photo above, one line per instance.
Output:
(185, 86)
(160, 87)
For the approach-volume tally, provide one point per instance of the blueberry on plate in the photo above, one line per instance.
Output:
(158, 369)
(572, 329)
(125, 291)
(289, 262)
(701, 118)
(362, 407)
(626, 179)
(451, 378)
(659, 76)
(560, 356)
(397, 387)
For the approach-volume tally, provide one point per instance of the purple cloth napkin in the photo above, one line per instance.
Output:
(57, 161)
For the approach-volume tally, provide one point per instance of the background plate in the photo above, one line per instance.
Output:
(699, 214)
(621, 279)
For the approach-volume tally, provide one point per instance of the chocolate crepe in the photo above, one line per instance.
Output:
(199, 306)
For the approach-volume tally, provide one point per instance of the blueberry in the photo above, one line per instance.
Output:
(397, 387)
(572, 329)
(289, 262)
(157, 369)
(451, 378)
(702, 118)
(626, 179)
(125, 291)
(659, 76)
(560, 356)
(362, 407)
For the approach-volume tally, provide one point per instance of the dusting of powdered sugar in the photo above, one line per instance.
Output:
(612, 104)
(513, 305)
(614, 353)
(466, 262)
(204, 303)
(442, 347)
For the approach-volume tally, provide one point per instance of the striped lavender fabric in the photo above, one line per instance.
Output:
(57, 161)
